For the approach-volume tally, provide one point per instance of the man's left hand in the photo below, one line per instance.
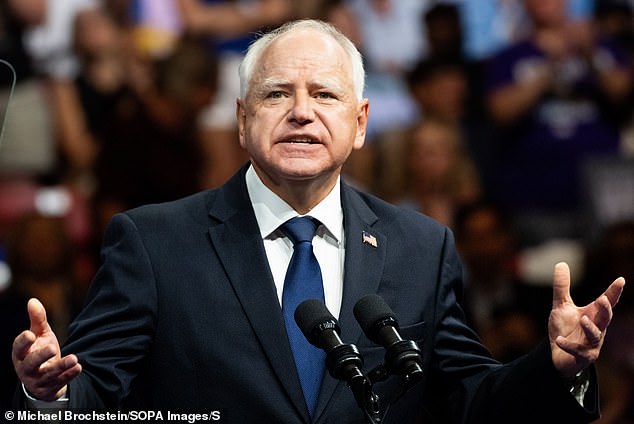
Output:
(576, 334)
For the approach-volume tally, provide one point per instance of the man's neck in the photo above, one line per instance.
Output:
(301, 195)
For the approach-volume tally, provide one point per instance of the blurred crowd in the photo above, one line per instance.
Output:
(510, 121)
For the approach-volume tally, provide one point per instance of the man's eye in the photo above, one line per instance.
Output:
(325, 95)
(275, 95)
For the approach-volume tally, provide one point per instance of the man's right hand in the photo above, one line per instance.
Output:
(37, 358)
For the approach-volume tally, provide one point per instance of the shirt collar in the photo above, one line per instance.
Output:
(271, 211)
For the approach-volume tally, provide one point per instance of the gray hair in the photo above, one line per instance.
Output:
(254, 53)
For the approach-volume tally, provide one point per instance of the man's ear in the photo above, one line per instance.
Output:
(241, 116)
(362, 124)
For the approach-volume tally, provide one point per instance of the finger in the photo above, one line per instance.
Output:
(70, 370)
(592, 332)
(568, 346)
(583, 355)
(21, 345)
(37, 316)
(46, 377)
(58, 366)
(603, 314)
(70, 374)
(613, 293)
(34, 360)
(561, 285)
(56, 377)
(52, 385)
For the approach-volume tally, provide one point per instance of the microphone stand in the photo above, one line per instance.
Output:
(344, 363)
(367, 400)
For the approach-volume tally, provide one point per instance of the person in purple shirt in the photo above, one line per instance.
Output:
(552, 98)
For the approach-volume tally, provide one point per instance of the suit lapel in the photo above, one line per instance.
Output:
(238, 244)
(364, 261)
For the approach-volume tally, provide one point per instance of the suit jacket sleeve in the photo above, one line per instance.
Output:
(114, 332)
(528, 390)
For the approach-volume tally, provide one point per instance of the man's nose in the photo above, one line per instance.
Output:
(302, 110)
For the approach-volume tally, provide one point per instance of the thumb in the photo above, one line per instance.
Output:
(561, 285)
(37, 316)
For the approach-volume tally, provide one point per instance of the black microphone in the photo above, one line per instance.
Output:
(321, 329)
(343, 361)
(402, 357)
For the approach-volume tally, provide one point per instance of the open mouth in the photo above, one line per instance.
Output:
(300, 140)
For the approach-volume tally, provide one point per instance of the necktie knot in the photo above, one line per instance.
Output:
(300, 229)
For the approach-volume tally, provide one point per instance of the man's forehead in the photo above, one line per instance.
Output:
(303, 51)
(306, 42)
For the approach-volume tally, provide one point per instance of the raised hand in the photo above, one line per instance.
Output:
(576, 333)
(37, 358)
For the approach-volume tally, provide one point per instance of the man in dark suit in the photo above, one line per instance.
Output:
(184, 314)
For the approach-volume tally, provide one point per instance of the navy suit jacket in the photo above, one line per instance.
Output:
(183, 316)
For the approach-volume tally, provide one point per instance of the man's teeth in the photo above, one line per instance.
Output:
(301, 140)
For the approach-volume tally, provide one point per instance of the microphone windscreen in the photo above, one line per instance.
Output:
(309, 315)
(371, 310)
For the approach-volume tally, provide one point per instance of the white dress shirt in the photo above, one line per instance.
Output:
(328, 244)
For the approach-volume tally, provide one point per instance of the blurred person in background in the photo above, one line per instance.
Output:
(27, 148)
(150, 148)
(438, 88)
(48, 41)
(85, 104)
(115, 120)
(552, 98)
(615, 19)
(508, 312)
(439, 85)
(439, 176)
(442, 88)
(444, 31)
(462, 100)
(392, 40)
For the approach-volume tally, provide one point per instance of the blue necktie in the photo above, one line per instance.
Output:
(303, 281)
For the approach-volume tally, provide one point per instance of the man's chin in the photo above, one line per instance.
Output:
(296, 170)
(302, 170)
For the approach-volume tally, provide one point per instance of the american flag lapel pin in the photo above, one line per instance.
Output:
(369, 239)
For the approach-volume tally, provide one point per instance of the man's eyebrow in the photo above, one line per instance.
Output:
(328, 84)
(270, 83)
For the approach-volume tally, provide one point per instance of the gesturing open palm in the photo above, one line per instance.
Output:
(577, 333)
